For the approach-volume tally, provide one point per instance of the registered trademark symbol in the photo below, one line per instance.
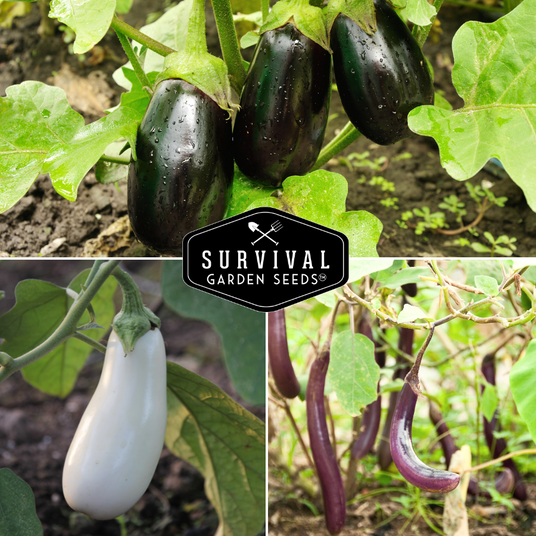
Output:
(322, 277)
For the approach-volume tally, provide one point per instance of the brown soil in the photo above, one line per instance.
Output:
(44, 223)
(36, 429)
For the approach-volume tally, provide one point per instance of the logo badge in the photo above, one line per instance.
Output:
(265, 259)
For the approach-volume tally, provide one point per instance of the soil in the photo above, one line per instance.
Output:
(36, 429)
(45, 224)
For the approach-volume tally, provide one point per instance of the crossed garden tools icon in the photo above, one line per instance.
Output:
(276, 226)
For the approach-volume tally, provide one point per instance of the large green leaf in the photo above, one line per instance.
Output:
(56, 373)
(244, 192)
(225, 442)
(242, 330)
(353, 372)
(17, 507)
(320, 197)
(419, 12)
(40, 133)
(39, 310)
(495, 73)
(522, 378)
(89, 19)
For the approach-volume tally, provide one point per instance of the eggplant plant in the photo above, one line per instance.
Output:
(182, 174)
(139, 407)
(433, 338)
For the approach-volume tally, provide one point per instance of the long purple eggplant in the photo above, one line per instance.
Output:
(406, 461)
(323, 454)
(504, 481)
(282, 370)
(405, 343)
(410, 288)
(497, 445)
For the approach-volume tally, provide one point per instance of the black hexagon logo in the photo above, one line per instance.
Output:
(265, 259)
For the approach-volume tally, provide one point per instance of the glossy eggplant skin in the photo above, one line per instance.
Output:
(406, 461)
(325, 461)
(181, 180)
(280, 364)
(380, 77)
(284, 107)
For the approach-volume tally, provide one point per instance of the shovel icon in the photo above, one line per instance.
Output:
(255, 227)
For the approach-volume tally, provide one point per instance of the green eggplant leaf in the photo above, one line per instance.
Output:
(360, 267)
(170, 30)
(410, 313)
(353, 372)
(320, 197)
(39, 309)
(225, 442)
(56, 373)
(241, 330)
(522, 379)
(495, 73)
(405, 276)
(137, 98)
(89, 20)
(17, 507)
(487, 285)
(41, 133)
(419, 12)
(489, 401)
(244, 192)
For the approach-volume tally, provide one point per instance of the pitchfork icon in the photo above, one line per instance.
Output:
(276, 226)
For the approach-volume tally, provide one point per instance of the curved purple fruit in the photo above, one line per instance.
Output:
(497, 445)
(281, 366)
(405, 343)
(323, 455)
(406, 461)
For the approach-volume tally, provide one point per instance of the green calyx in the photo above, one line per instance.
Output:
(309, 20)
(202, 70)
(362, 12)
(134, 320)
(195, 65)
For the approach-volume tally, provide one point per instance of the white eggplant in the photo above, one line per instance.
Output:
(118, 442)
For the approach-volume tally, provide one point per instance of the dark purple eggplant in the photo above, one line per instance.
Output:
(380, 77)
(406, 461)
(370, 424)
(182, 177)
(504, 481)
(280, 365)
(497, 445)
(410, 288)
(405, 344)
(284, 107)
(323, 454)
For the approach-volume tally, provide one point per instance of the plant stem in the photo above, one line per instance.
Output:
(500, 459)
(421, 32)
(344, 138)
(88, 340)
(67, 328)
(124, 28)
(115, 159)
(135, 62)
(464, 312)
(230, 48)
(265, 8)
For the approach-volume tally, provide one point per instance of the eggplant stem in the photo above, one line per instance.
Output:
(499, 460)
